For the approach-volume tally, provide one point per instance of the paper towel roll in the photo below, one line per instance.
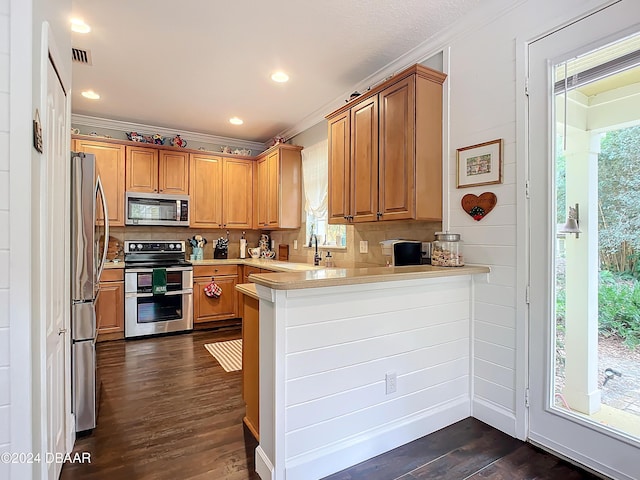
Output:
(243, 248)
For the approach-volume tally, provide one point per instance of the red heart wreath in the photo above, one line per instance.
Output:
(479, 206)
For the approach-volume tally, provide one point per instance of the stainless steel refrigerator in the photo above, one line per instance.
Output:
(89, 242)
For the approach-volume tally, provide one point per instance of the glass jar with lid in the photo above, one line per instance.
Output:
(446, 250)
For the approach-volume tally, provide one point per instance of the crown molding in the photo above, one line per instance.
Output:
(431, 46)
(99, 122)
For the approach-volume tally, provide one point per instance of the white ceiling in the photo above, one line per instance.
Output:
(193, 64)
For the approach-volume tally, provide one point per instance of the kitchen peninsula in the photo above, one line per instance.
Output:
(355, 362)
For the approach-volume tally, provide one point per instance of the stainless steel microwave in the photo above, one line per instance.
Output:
(156, 209)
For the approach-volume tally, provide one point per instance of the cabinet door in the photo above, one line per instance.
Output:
(205, 190)
(237, 197)
(273, 202)
(339, 132)
(396, 165)
(110, 308)
(262, 193)
(173, 172)
(248, 270)
(110, 168)
(142, 169)
(208, 309)
(364, 161)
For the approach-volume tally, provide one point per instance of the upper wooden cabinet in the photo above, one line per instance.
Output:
(221, 192)
(237, 193)
(150, 170)
(279, 188)
(385, 151)
(110, 166)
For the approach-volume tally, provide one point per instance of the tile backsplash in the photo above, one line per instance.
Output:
(373, 233)
(345, 257)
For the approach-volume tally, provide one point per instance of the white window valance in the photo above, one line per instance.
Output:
(315, 174)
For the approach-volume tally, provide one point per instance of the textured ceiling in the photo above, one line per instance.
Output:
(193, 64)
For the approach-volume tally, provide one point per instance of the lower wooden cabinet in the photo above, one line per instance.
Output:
(110, 305)
(251, 363)
(207, 309)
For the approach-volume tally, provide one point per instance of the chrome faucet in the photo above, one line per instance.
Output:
(316, 257)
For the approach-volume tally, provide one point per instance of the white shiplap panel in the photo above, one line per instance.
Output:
(496, 314)
(495, 294)
(5, 393)
(4, 151)
(494, 353)
(4, 34)
(304, 389)
(490, 255)
(4, 268)
(4, 72)
(4, 309)
(324, 359)
(487, 332)
(350, 401)
(357, 423)
(500, 275)
(488, 235)
(4, 111)
(494, 373)
(4, 347)
(5, 424)
(4, 232)
(4, 190)
(321, 334)
(371, 302)
(498, 394)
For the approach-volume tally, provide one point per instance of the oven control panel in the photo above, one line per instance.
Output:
(147, 246)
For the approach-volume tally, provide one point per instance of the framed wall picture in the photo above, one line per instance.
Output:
(480, 164)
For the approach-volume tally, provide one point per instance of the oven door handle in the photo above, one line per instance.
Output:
(186, 291)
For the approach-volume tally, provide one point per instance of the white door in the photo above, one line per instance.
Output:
(55, 271)
(551, 422)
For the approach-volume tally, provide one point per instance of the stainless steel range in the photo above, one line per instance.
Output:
(147, 313)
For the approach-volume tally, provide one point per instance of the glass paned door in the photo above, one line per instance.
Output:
(576, 106)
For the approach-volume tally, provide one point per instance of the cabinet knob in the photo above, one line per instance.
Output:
(62, 331)
(379, 214)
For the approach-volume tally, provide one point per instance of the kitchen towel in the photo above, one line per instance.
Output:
(159, 281)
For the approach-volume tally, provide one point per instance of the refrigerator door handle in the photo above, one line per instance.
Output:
(105, 246)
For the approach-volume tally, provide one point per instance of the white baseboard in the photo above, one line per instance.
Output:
(494, 415)
(344, 454)
(264, 467)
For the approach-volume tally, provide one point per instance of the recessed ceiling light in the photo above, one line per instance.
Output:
(236, 121)
(90, 94)
(280, 77)
(79, 26)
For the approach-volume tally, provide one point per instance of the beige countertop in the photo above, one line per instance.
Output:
(248, 289)
(275, 265)
(331, 277)
(110, 265)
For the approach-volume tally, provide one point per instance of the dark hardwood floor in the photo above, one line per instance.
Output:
(169, 411)
(469, 450)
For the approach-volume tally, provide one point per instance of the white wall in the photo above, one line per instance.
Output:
(487, 93)
(5, 390)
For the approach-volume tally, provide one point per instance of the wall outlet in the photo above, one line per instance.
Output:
(364, 246)
(391, 382)
(295, 244)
